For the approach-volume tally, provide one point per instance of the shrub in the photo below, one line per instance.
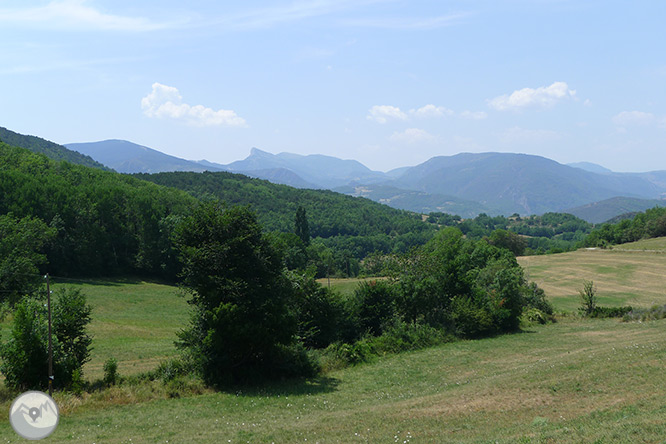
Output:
(654, 313)
(25, 354)
(111, 371)
(398, 336)
(376, 301)
(610, 312)
(318, 313)
(469, 319)
(588, 298)
(533, 315)
(535, 297)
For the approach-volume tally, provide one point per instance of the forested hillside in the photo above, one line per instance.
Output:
(548, 233)
(651, 223)
(357, 225)
(606, 210)
(49, 149)
(105, 222)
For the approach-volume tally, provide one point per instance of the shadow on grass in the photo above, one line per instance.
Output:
(108, 281)
(290, 387)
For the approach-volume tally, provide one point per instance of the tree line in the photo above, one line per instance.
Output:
(255, 319)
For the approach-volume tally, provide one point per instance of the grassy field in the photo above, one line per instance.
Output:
(575, 381)
(630, 274)
(133, 321)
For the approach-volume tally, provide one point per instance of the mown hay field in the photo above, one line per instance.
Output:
(630, 274)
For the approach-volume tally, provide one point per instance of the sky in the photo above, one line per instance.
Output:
(389, 83)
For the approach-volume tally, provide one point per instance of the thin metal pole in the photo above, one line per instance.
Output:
(48, 299)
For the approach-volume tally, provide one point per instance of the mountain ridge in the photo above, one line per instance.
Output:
(128, 157)
(492, 182)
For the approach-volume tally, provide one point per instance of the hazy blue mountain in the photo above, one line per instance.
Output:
(608, 209)
(128, 157)
(520, 183)
(656, 177)
(322, 171)
(49, 149)
(416, 201)
(281, 176)
(397, 172)
(591, 167)
(212, 165)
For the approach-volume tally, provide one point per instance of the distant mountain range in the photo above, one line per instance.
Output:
(518, 183)
(465, 184)
(591, 167)
(608, 209)
(128, 157)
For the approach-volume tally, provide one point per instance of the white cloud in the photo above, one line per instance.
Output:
(166, 102)
(543, 97)
(431, 111)
(522, 135)
(628, 118)
(382, 113)
(412, 135)
(474, 115)
(75, 15)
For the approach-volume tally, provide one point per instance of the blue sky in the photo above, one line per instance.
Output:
(387, 82)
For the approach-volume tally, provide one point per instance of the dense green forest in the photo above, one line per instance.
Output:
(349, 225)
(49, 149)
(105, 223)
(548, 233)
(651, 223)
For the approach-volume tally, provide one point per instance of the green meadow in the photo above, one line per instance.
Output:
(574, 381)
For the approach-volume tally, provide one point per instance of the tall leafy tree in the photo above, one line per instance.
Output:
(241, 321)
(302, 226)
(21, 244)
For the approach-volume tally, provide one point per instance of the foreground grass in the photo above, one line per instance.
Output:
(133, 321)
(623, 276)
(575, 381)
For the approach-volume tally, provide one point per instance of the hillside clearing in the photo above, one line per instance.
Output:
(623, 276)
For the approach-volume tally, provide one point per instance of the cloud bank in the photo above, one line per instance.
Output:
(542, 97)
(166, 102)
(384, 113)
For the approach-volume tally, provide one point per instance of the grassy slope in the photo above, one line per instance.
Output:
(133, 321)
(624, 275)
(575, 381)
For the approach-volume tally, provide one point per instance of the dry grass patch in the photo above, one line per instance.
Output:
(622, 278)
